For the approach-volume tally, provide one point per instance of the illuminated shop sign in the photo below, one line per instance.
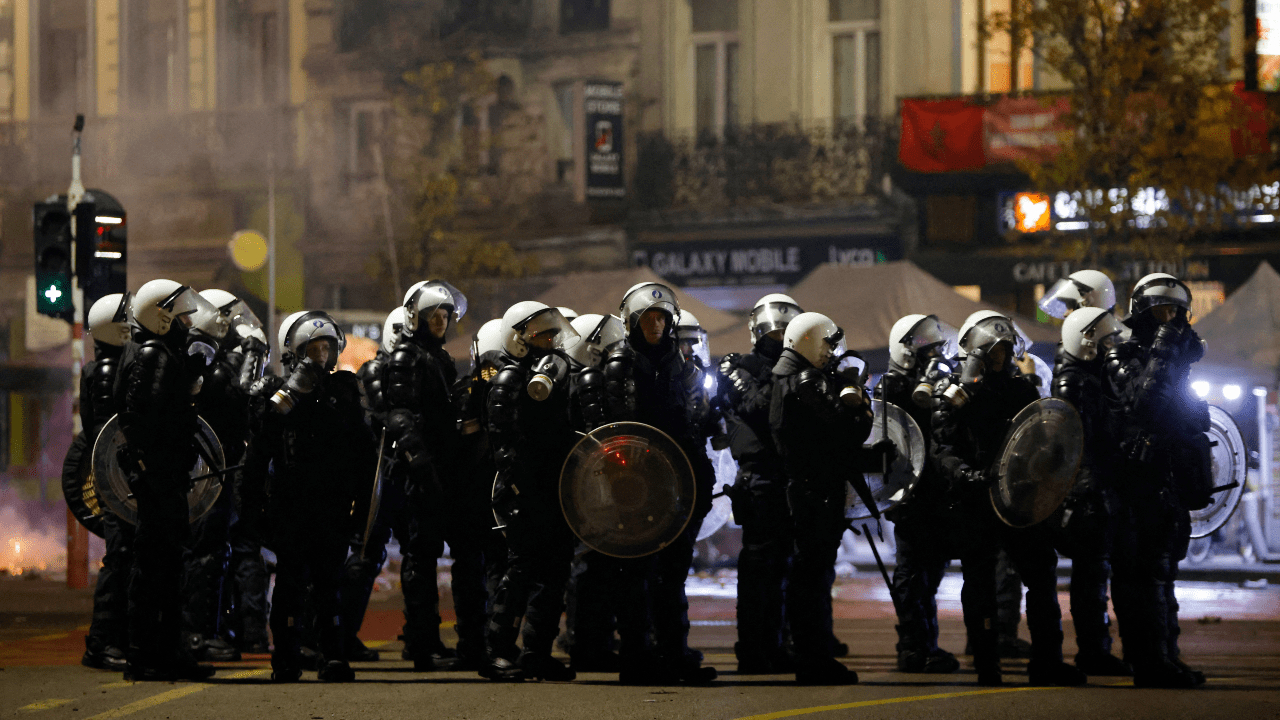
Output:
(1069, 211)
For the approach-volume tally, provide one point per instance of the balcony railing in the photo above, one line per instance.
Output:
(216, 144)
(763, 164)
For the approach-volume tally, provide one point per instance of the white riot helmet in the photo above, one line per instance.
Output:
(984, 329)
(159, 302)
(537, 328)
(1080, 289)
(392, 330)
(286, 356)
(1089, 331)
(692, 339)
(109, 319)
(772, 312)
(815, 337)
(241, 318)
(300, 329)
(426, 297)
(649, 296)
(915, 336)
(600, 334)
(568, 313)
(486, 349)
(1159, 289)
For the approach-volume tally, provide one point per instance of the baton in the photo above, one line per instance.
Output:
(884, 573)
(373, 496)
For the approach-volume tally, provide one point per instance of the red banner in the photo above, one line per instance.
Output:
(1249, 137)
(1026, 128)
(941, 135)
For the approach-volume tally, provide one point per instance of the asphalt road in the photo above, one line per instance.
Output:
(1230, 632)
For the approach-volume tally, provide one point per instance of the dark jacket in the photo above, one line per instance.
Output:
(818, 436)
(312, 468)
(530, 438)
(154, 394)
(97, 389)
(747, 409)
(417, 384)
(967, 440)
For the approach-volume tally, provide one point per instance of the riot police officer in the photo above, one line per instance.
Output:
(759, 492)
(1165, 460)
(919, 358)
(649, 381)
(154, 392)
(225, 406)
(418, 384)
(108, 632)
(530, 439)
(968, 426)
(1086, 522)
(306, 482)
(814, 410)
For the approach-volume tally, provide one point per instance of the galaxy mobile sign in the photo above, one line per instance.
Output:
(603, 106)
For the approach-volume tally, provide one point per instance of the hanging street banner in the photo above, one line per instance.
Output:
(603, 105)
(1025, 128)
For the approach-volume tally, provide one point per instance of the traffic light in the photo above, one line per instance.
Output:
(101, 246)
(51, 225)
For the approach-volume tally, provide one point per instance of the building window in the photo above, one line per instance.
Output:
(152, 53)
(583, 15)
(63, 47)
(715, 65)
(254, 52)
(1002, 73)
(367, 124)
(855, 58)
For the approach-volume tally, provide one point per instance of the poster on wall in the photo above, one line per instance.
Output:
(603, 105)
(1268, 45)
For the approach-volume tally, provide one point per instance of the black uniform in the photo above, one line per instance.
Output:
(418, 384)
(653, 384)
(1086, 524)
(109, 631)
(1166, 466)
(809, 424)
(225, 406)
(154, 392)
(923, 548)
(966, 443)
(530, 441)
(759, 496)
(306, 484)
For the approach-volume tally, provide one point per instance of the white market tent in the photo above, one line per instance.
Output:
(867, 301)
(1242, 336)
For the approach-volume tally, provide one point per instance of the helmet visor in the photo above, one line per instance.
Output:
(201, 314)
(693, 343)
(991, 331)
(549, 330)
(1063, 297)
(931, 338)
(770, 317)
(1160, 291)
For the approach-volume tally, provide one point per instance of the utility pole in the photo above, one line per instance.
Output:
(77, 535)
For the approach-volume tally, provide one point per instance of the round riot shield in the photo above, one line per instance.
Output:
(111, 481)
(901, 429)
(627, 489)
(77, 486)
(721, 506)
(1229, 468)
(1038, 465)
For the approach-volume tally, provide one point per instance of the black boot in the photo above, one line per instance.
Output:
(541, 666)
(827, 671)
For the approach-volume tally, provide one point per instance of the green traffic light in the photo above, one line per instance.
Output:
(52, 294)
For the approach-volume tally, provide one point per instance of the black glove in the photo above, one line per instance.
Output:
(303, 381)
(880, 455)
(812, 386)
(1168, 341)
